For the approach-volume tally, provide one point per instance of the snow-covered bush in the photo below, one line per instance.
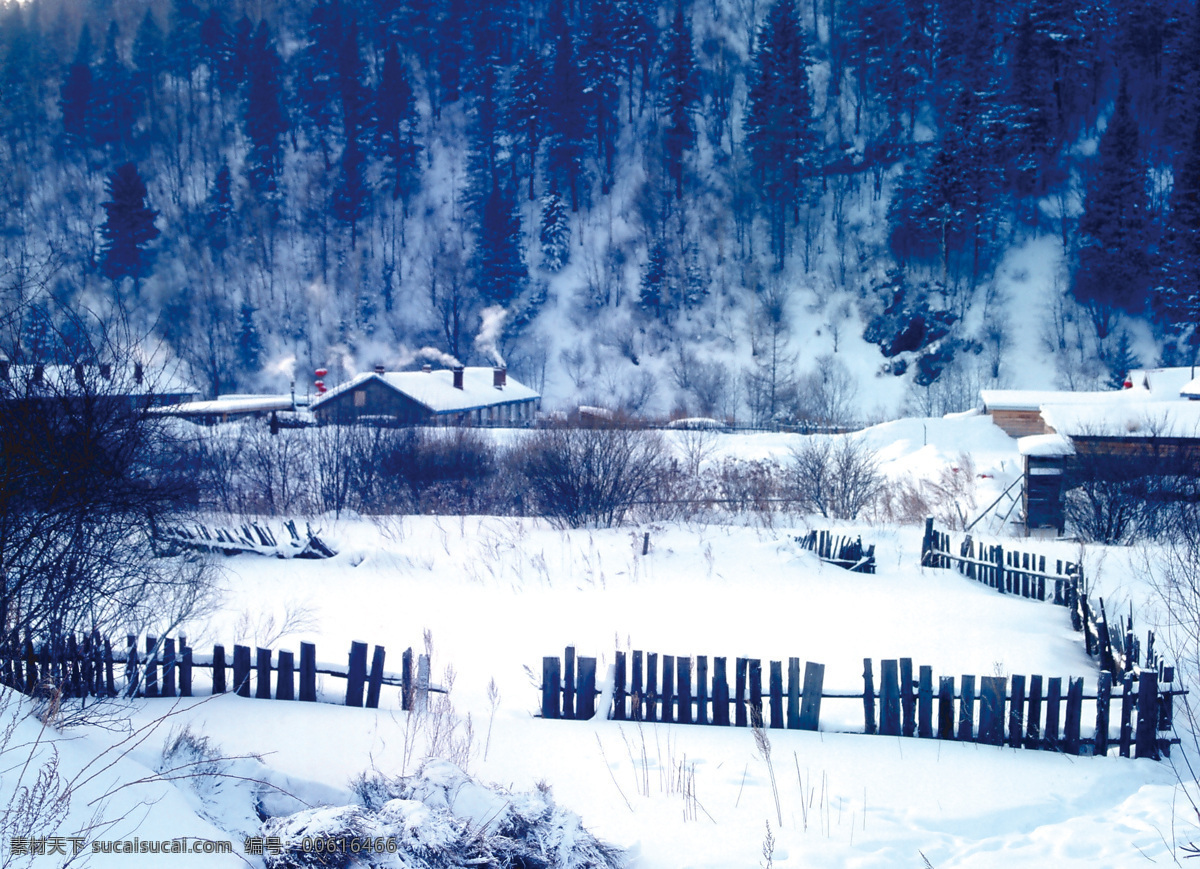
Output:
(439, 817)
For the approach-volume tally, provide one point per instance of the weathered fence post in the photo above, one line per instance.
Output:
(1147, 719)
(262, 674)
(927, 544)
(702, 690)
(1127, 700)
(1033, 735)
(991, 710)
(1166, 709)
(356, 674)
(998, 556)
(1016, 706)
(1074, 716)
(421, 693)
(406, 680)
(945, 728)
(908, 706)
(585, 703)
(168, 680)
(185, 669)
(683, 684)
(1053, 706)
(308, 673)
(720, 693)
(151, 667)
(568, 683)
(619, 686)
(810, 703)
(668, 689)
(218, 670)
(775, 688)
(793, 705)
(925, 703)
(868, 696)
(241, 670)
(754, 676)
(651, 686)
(1103, 697)
(375, 680)
(131, 665)
(638, 699)
(551, 688)
(889, 698)
(285, 683)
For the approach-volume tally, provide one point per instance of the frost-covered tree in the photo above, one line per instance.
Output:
(128, 226)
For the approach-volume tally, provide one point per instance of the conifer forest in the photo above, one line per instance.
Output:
(653, 197)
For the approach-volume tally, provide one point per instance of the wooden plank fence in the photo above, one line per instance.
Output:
(842, 551)
(1025, 574)
(1016, 711)
(89, 666)
(257, 537)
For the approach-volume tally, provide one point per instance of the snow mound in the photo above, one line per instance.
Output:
(441, 817)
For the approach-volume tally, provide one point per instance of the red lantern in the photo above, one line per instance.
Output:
(321, 372)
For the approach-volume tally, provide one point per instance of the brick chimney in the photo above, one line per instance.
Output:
(380, 369)
(427, 368)
(499, 377)
(106, 370)
(5, 370)
(138, 373)
(39, 372)
(79, 373)
(458, 376)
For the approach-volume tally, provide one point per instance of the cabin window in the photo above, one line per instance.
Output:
(360, 398)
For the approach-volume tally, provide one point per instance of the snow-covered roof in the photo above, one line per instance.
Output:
(1191, 389)
(230, 404)
(1045, 445)
(1035, 399)
(1162, 383)
(436, 391)
(1177, 419)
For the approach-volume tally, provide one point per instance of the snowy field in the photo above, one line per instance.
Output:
(496, 595)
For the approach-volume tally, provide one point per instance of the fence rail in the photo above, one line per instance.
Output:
(1025, 574)
(88, 667)
(257, 537)
(842, 551)
(1018, 711)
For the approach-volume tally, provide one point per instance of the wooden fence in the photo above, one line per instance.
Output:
(1016, 711)
(841, 551)
(248, 537)
(89, 667)
(1025, 574)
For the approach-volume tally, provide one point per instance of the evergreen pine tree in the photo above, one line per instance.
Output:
(149, 61)
(682, 93)
(265, 119)
(113, 102)
(219, 214)
(1120, 361)
(76, 94)
(396, 124)
(1113, 270)
(780, 136)
(128, 227)
(555, 234)
(1178, 299)
(352, 195)
(526, 114)
(600, 67)
(249, 342)
(564, 100)
(501, 274)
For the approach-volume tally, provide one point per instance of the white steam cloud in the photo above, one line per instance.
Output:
(285, 366)
(490, 327)
(433, 354)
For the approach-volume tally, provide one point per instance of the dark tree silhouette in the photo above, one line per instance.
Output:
(128, 227)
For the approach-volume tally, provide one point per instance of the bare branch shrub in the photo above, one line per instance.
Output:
(594, 476)
(837, 477)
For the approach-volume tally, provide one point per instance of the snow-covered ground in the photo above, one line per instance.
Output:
(496, 595)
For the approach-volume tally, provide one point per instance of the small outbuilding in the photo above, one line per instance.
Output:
(453, 396)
